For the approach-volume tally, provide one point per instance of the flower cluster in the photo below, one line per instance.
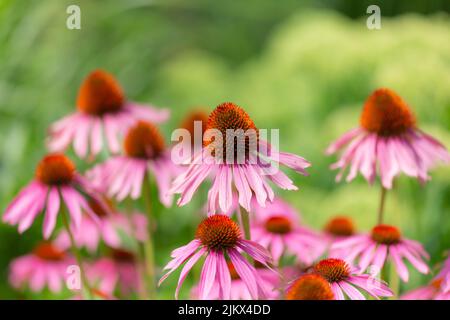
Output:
(251, 244)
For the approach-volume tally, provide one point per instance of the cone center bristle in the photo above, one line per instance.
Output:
(226, 118)
(386, 114)
(99, 94)
(340, 226)
(47, 251)
(386, 234)
(218, 232)
(121, 255)
(278, 224)
(144, 141)
(55, 169)
(333, 270)
(310, 287)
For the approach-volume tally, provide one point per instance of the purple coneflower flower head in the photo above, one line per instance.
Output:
(385, 242)
(387, 143)
(107, 228)
(145, 154)
(239, 290)
(102, 111)
(432, 291)
(277, 228)
(56, 183)
(345, 280)
(338, 228)
(217, 237)
(310, 287)
(116, 271)
(248, 168)
(46, 266)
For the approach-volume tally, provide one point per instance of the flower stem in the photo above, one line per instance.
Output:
(382, 203)
(245, 221)
(77, 254)
(148, 246)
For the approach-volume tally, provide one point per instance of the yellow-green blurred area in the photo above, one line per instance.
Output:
(303, 67)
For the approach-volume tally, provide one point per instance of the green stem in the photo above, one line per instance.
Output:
(245, 223)
(148, 246)
(77, 254)
(381, 206)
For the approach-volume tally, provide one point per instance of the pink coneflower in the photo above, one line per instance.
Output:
(56, 181)
(46, 266)
(432, 291)
(118, 271)
(250, 168)
(385, 242)
(310, 287)
(107, 228)
(444, 274)
(239, 290)
(145, 154)
(216, 237)
(344, 279)
(388, 142)
(337, 229)
(277, 228)
(102, 110)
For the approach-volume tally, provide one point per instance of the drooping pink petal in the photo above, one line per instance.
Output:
(53, 202)
(351, 291)
(245, 271)
(187, 267)
(208, 274)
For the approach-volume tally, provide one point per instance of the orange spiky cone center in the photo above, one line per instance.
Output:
(55, 169)
(100, 93)
(144, 141)
(310, 287)
(229, 116)
(340, 226)
(386, 114)
(386, 234)
(278, 224)
(47, 251)
(218, 232)
(333, 270)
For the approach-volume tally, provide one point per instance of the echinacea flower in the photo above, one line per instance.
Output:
(46, 266)
(310, 287)
(145, 154)
(277, 228)
(385, 242)
(239, 290)
(444, 274)
(346, 280)
(107, 228)
(432, 291)
(338, 228)
(250, 162)
(388, 142)
(102, 110)
(216, 237)
(116, 271)
(56, 183)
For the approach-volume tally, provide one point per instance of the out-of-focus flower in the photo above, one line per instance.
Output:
(337, 229)
(216, 236)
(251, 164)
(145, 154)
(384, 242)
(277, 228)
(310, 287)
(345, 279)
(102, 111)
(107, 228)
(46, 266)
(56, 183)
(432, 291)
(444, 274)
(119, 270)
(388, 142)
(239, 290)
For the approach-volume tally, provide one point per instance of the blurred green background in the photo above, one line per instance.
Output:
(302, 66)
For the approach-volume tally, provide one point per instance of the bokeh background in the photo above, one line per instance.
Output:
(302, 66)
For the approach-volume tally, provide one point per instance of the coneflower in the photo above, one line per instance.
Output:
(102, 110)
(310, 287)
(336, 229)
